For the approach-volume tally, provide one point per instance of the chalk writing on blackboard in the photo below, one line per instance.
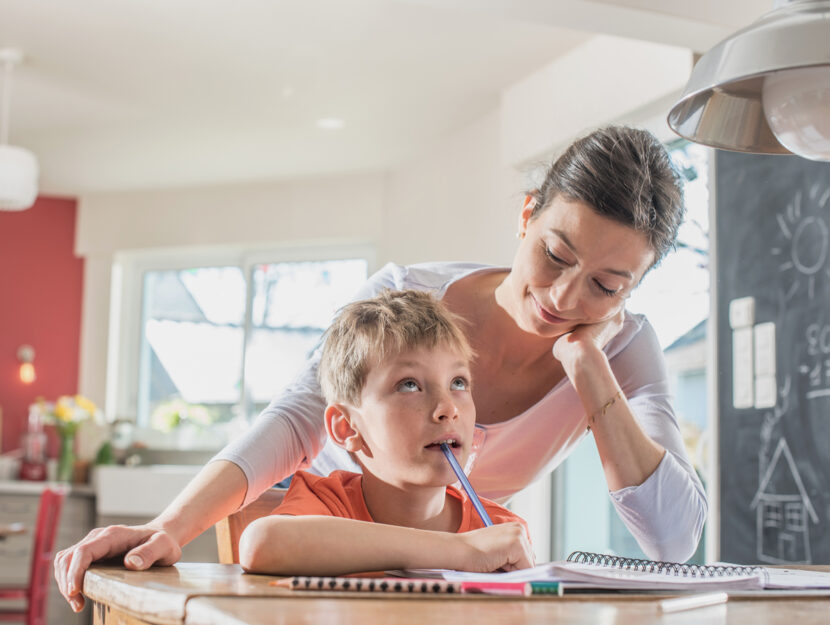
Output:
(782, 508)
(807, 240)
(817, 365)
(771, 419)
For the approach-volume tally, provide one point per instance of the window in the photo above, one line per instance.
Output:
(794, 512)
(217, 336)
(772, 514)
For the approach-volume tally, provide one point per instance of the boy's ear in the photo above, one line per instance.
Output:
(341, 427)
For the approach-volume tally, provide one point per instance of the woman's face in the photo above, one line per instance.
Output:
(573, 267)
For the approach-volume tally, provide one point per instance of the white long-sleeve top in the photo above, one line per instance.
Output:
(665, 513)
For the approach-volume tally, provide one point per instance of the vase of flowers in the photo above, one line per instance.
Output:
(66, 460)
(67, 414)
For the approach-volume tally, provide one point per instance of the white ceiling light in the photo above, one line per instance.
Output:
(766, 88)
(18, 167)
(330, 123)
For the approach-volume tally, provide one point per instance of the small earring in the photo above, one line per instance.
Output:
(520, 235)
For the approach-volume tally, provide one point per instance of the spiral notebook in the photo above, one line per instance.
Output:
(614, 572)
(603, 571)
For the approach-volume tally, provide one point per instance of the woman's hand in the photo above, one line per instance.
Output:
(593, 336)
(498, 547)
(216, 491)
(143, 546)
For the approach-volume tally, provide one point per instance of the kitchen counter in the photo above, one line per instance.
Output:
(25, 487)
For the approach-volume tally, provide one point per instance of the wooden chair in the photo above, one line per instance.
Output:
(229, 529)
(36, 593)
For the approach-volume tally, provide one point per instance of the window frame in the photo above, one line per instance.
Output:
(127, 299)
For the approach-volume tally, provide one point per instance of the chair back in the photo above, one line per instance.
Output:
(46, 530)
(229, 529)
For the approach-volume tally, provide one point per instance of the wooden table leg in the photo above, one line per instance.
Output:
(106, 615)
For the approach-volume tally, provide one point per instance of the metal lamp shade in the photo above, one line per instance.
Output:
(722, 103)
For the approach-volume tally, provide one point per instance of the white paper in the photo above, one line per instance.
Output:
(596, 576)
(794, 578)
(585, 575)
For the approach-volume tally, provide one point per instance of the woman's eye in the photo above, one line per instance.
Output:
(408, 386)
(459, 384)
(606, 291)
(553, 256)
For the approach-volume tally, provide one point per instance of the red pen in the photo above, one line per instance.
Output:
(497, 588)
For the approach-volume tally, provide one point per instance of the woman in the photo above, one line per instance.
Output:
(557, 356)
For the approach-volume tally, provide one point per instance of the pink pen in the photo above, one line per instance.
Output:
(497, 588)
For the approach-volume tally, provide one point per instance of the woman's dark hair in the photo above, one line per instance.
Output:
(624, 174)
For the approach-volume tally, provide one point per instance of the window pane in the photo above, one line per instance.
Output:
(293, 304)
(191, 346)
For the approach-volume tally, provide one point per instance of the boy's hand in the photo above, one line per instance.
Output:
(504, 546)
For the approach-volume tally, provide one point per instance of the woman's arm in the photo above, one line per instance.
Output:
(653, 485)
(628, 455)
(286, 436)
(216, 491)
(323, 545)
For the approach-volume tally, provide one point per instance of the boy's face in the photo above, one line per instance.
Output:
(410, 403)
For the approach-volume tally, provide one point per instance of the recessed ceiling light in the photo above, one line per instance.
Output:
(330, 123)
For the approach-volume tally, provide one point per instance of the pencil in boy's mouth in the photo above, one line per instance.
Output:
(452, 442)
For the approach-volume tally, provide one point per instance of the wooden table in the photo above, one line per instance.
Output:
(217, 594)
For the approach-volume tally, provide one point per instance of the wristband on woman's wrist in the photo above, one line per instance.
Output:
(601, 412)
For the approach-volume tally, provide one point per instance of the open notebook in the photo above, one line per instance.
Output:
(601, 571)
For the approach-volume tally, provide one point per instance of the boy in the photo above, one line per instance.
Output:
(395, 374)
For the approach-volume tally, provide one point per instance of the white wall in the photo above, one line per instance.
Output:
(457, 201)
(589, 86)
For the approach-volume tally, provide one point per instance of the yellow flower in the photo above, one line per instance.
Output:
(85, 404)
(63, 409)
(69, 409)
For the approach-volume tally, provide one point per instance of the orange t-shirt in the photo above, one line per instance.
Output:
(341, 495)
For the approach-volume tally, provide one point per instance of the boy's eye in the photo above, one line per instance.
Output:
(459, 384)
(408, 386)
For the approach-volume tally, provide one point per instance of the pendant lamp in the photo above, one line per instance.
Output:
(18, 167)
(765, 89)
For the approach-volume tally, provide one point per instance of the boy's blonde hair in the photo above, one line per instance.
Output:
(372, 330)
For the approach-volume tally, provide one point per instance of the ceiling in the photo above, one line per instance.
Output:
(116, 94)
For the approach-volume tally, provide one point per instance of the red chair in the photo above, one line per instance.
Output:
(36, 593)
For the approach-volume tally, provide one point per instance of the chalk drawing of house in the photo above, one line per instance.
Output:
(782, 506)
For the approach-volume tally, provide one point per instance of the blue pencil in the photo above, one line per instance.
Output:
(466, 484)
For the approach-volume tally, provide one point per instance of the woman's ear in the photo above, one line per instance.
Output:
(341, 427)
(524, 216)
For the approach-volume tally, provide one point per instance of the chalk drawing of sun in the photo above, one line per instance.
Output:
(803, 225)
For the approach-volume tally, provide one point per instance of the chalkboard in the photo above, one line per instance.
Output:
(772, 243)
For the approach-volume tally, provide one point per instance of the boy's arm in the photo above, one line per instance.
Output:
(321, 545)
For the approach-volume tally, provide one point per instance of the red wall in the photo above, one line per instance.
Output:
(41, 284)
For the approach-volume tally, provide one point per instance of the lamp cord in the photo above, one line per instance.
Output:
(5, 104)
